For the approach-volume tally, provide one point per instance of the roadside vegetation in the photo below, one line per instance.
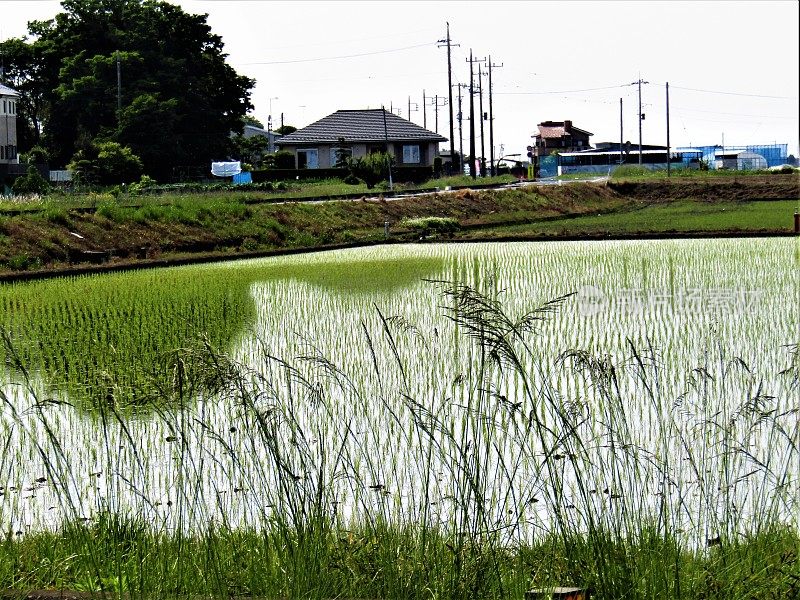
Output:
(58, 231)
(637, 173)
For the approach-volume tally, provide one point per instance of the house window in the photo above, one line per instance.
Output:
(339, 156)
(411, 154)
(307, 159)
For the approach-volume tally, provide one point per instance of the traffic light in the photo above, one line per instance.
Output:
(642, 115)
(530, 151)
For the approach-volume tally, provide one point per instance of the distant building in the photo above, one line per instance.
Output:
(774, 154)
(560, 136)
(271, 136)
(8, 125)
(608, 156)
(739, 160)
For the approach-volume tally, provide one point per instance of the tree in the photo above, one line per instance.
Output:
(372, 168)
(285, 130)
(106, 163)
(250, 150)
(251, 120)
(179, 99)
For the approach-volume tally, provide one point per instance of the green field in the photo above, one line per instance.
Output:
(409, 421)
(678, 217)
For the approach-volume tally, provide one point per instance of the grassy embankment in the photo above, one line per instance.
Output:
(53, 232)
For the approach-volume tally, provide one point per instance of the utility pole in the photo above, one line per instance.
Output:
(483, 118)
(436, 105)
(621, 157)
(447, 41)
(641, 116)
(424, 111)
(492, 167)
(669, 161)
(416, 107)
(386, 139)
(472, 114)
(460, 132)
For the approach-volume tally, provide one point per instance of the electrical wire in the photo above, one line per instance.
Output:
(322, 58)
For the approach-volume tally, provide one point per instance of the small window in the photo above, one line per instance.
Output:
(411, 154)
(4, 106)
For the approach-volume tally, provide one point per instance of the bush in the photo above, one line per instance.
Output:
(31, 183)
(36, 156)
(140, 186)
(106, 163)
(283, 160)
(371, 169)
(425, 226)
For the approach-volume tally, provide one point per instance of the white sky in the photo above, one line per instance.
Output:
(732, 66)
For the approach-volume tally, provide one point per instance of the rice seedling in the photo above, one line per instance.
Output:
(414, 422)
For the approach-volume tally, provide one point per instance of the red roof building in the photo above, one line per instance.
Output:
(560, 136)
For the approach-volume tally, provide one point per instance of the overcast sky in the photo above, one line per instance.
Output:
(732, 66)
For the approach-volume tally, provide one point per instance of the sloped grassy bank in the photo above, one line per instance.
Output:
(108, 232)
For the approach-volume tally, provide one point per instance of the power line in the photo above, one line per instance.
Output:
(322, 58)
(717, 112)
(676, 87)
(610, 87)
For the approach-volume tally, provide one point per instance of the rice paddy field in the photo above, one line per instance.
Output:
(410, 421)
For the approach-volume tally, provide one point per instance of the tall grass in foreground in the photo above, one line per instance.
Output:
(301, 479)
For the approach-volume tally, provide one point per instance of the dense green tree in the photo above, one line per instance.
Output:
(285, 129)
(106, 163)
(251, 120)
(179, 99)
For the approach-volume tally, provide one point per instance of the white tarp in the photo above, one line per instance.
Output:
(226, 169)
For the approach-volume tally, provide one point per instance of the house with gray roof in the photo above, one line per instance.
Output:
(357, 133)
(8, 125)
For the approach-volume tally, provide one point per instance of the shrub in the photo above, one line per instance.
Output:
(283, 160)
(425, 226)
(36, 156)
(371, 169)
(106, 163)
(31, 183)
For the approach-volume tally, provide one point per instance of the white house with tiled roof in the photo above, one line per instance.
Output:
(356, 133)
(8, 125)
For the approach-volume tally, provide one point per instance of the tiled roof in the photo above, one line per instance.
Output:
(7, 91)
(551, 132)
(557, 130)
(360, 126)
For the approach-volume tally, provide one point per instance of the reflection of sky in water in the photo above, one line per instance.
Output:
(700, 303)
